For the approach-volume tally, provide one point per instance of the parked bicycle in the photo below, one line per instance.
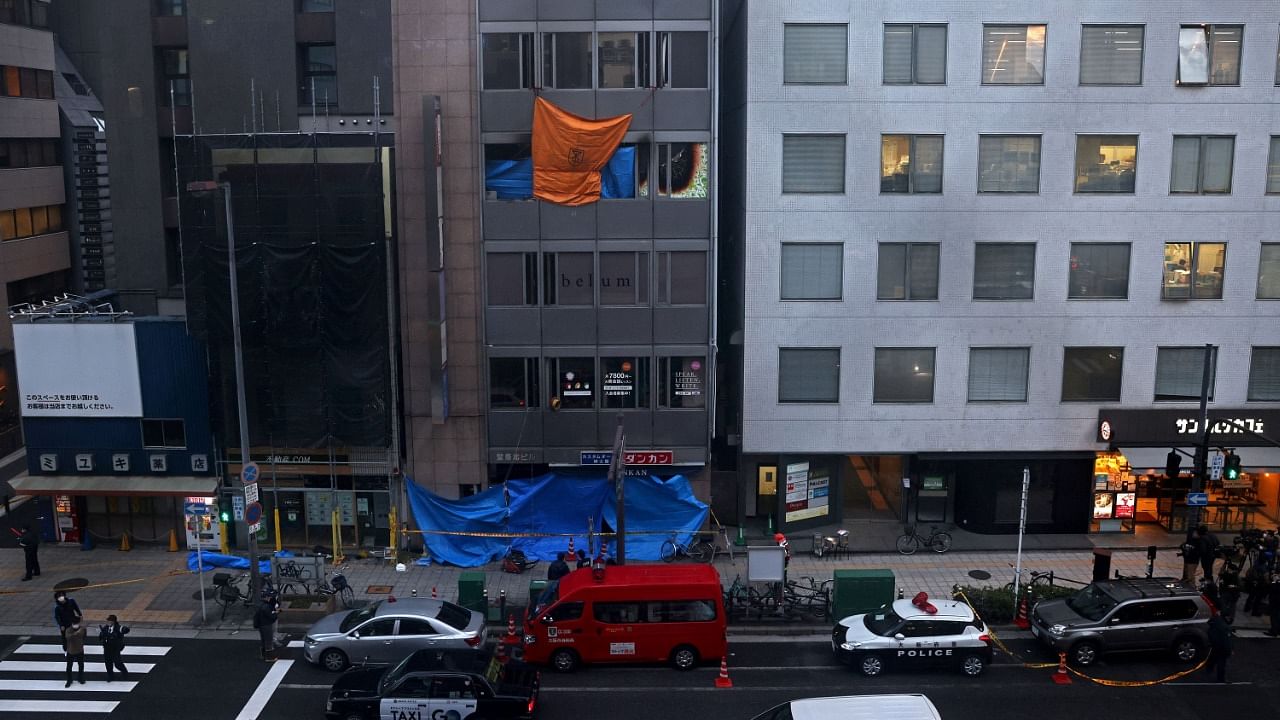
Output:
(807, 596)
(227, 590)
(336, 584)
(1033, 579)
(911, 540)
(698, 550)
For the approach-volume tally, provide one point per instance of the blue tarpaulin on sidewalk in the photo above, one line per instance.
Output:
(213, 561)
(554, 504)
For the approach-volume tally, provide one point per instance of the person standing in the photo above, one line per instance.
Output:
(559, 568)
(29, 541)
(112, 637)
(1219, 647)
(1273, 599)
(73, 641)
(583, 560)
(264, 619)
(1229, 591)
(66, 612)
(1192, 549)
(1208, 551)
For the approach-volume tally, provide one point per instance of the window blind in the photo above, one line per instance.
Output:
(1111, 55)
(1269, 272)
(815, 54)
(1217, 157)
(898, 40)
(1185, 176)
(1178, 373)
(1009, 163)
(903, 375)
(811, 271)
(1264, 374)
(931, 54)
(998, 374)
(809, 375)
(1273, 166)
(812, 163)
(1004, 271)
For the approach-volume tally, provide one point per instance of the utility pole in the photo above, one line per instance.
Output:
(618, 474)
(1199, 479)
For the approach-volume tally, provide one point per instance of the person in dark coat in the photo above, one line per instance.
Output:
(1229, 591)
(111, 636)
(583, 560)
(1208, 551)
(73, 642)
(559, 568)
(264, 619)
(1219, 647)
(29, 541)
(1273, 599)
(66, 612)
(1255, 583)
(1191, 551)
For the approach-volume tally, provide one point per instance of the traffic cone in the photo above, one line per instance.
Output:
(572, 553)
(124, 542)
(1061, 677)
(433, 593)
(173, 540)
(1021, 620)
(723, 681)
(742, 540)
(511, 626)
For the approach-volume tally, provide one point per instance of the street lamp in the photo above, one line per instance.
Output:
(202, 188)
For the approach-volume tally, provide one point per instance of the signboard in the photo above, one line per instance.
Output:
(237, 507)
(197, 507)
(1104, 505)
(78, 370)
(1197, 499)
(687, 381)
(251, 493)
(1125, 503)
(1156, 428)
(253, 515)
(250, 473)
(1216, 463)
(619, 380)
(630, 457)
(807, 493)
(320, 507)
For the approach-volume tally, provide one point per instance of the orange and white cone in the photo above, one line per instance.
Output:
(572, 553)
(1061, 676)
(723, 681)
(1021, 620)
(434, 596)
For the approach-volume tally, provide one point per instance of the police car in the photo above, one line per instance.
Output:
(437, 685)
(915, 633)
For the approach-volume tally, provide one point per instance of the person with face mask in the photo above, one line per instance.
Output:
(112, 637)
(66, 612)
(73, 641)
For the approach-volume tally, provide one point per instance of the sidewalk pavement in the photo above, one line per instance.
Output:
(149, 588)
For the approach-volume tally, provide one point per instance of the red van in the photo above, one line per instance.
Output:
(628, 614)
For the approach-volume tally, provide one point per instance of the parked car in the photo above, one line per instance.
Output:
(1122, 615)
(915, 633)
(855, 707)
(386, 631)
(437, 684)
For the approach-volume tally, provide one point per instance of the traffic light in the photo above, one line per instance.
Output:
(224, 511)
(1231, 467)
(1172, 464)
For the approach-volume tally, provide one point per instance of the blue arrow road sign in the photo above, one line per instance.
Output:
(1197, 499)
(195, 508)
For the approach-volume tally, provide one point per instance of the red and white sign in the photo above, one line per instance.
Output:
(648, 457)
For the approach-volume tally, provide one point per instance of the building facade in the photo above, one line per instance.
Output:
(972, 231)
(34, 249)
(600, 311)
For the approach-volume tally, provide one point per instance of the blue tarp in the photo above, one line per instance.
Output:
(554, 504)
(213, 561)
(513, 179)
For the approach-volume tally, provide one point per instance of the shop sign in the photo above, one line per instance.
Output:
(1155, 428)
(808, 492)
(573, 386)
(84, 462)
(159, 463)
(630, 457)
(517, 456)
(120, 462)
(620, 382)
(688, 382)
(49, 463)
(1125, 503)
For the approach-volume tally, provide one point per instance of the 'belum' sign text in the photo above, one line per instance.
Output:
(1157, 428)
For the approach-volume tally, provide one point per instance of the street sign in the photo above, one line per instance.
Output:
(237, 508)
(1216, 462)
(249, 474)
(253, 514)
(193, 508)
(587, 457)
(251, 492)
(1197, 499)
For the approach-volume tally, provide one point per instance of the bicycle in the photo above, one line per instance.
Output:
(808, 596)
(910, 540)
(698, 550)
(227, 590)
(338, 586)
(1038, 580)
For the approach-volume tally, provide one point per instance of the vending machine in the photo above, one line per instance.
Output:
(201, 520)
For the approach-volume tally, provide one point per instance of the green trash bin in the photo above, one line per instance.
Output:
(471, 591)
(860, 591)
(535, 589)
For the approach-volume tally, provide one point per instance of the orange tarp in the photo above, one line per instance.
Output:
(569, 152)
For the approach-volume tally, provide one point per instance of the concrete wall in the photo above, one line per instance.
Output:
(434, 53)
(962, 109)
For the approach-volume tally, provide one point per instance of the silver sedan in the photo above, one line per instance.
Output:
(386, 631)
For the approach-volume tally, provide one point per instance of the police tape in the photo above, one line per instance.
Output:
(995, 639)
(94, 586)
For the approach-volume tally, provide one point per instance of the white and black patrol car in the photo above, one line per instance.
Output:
(915, 633)
(437, 685)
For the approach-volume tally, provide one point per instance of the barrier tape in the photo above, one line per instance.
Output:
(92, 586)
(1106, 682)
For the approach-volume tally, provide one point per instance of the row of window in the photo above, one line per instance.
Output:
(607, 278)
(999, 374)
(317, 75)
(681, 169)
(1007, 271)
(624, 382)
(31, 13)
(178, 8)
(1012, 54)
(660, 611)
(29, 152)
(26, 82)
(912, 164)
(30, 221)
(585, 60)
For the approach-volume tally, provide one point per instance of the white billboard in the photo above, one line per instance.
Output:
(77, 369)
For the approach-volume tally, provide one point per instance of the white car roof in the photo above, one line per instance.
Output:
(947, 610)
(865, 707)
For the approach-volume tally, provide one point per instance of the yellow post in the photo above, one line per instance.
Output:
(393, 533)
(337, 540)
(224, 543)
(276, 513)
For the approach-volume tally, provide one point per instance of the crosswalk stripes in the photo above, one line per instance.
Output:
(33, 680)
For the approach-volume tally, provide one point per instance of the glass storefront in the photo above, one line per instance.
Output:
(1124, 496)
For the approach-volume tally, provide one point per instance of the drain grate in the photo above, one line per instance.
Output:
(378, 590)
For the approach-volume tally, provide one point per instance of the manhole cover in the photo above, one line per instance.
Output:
(979, 574)
(378, 590)
(71, 584)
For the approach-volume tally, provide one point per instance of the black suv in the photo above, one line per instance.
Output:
(1126, 614)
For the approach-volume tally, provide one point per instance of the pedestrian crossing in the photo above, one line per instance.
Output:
(33, 680)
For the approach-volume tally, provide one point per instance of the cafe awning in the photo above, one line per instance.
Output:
(114, 485)
(1251, 458)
